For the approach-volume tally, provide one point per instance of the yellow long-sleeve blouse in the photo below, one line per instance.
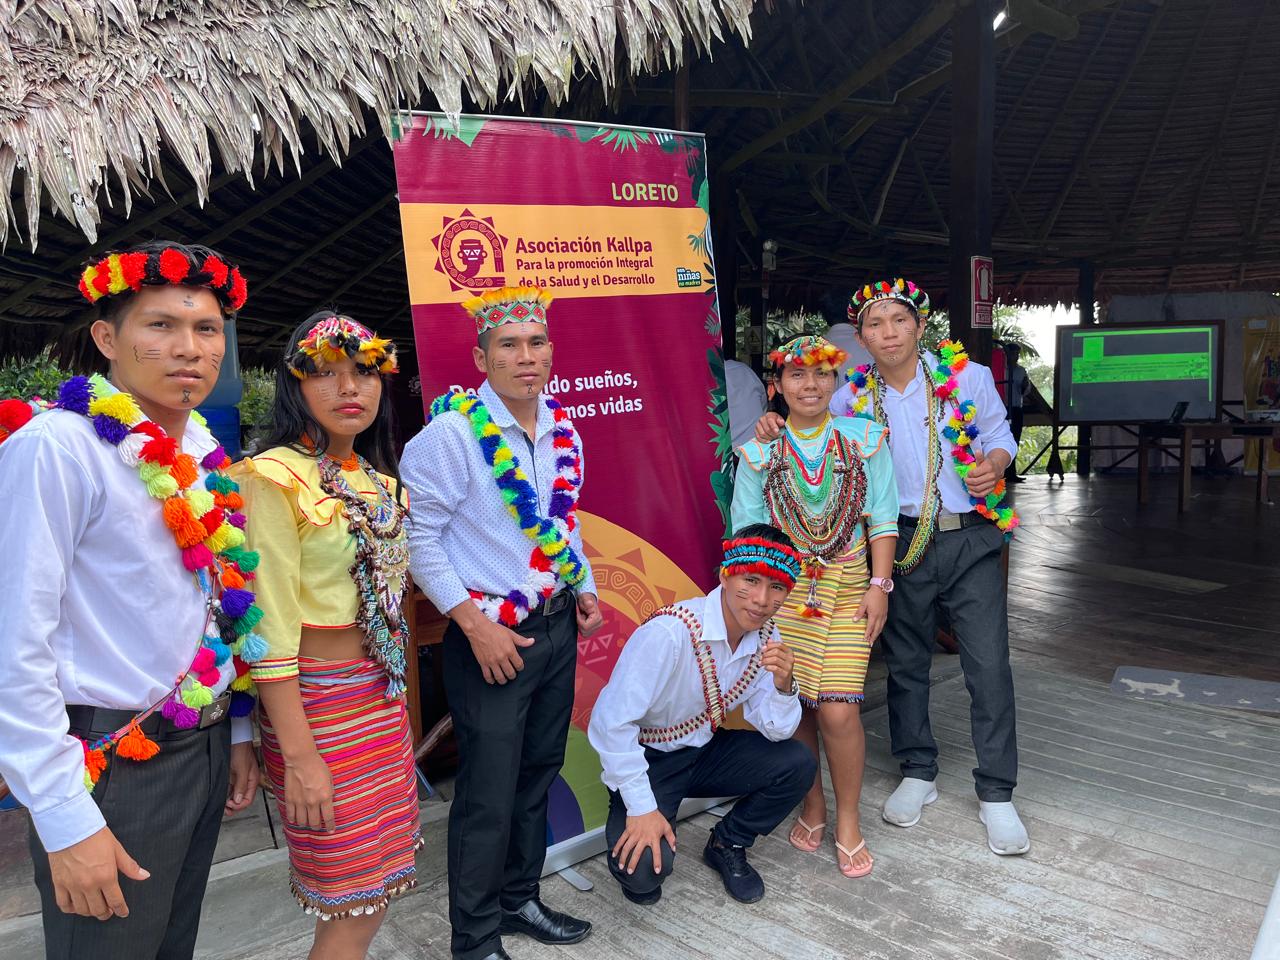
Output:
(305, 551)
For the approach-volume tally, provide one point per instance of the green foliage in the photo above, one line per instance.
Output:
(721, 479)
(780, 326)
(38, 376)
(256, 401)
(1006, 329)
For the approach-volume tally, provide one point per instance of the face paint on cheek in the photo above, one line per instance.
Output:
(499, 364)
(216, 360)
(142, 356)
(326, 390)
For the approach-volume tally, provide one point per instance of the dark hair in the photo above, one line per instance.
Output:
(291, 419)
(764, 531)
(112, 308)
(834, 306)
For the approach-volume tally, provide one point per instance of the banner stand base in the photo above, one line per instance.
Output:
(575, 879)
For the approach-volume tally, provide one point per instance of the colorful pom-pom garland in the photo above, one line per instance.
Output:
(208, 532)
(960, 431)
(903, 291)
(745, 556)
(808, 351)
(132, 270)
(336, 337)
(508, 305)
(553, 557)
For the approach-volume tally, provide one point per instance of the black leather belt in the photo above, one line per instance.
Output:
(947, 522)
(102, 720)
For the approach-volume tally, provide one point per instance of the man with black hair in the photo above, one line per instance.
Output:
(658, 723)
(111, 734)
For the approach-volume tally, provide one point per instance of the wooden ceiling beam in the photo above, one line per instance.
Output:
(1099, 124)
(1172, 99)
(1060, 113)
(938, 16)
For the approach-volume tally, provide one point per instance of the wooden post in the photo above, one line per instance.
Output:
(682, 89)
(973, 104)
(1085, 296)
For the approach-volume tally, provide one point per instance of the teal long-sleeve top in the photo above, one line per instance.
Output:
(880, 512)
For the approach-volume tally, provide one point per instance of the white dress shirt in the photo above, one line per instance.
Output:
(461, 535)
(656, 683)
(97, 608)
(747, 400)
(909, 434)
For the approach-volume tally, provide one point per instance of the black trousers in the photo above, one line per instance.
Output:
(770, 778)
(961, 574)
(511, 741)
(166, 812)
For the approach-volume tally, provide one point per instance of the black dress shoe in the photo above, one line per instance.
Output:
(643, 899)
(740, 878)
(498, 954)
(544, 925)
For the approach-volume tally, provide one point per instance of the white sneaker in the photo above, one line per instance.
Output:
(904, 806)
(1005, 833)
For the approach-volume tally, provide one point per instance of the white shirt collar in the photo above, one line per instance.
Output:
(504, 418)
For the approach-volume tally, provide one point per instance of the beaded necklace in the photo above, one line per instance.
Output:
(553, 557)
(820, 522)
(208, 531)
(961, 430)
(717, 703)
(382, 555)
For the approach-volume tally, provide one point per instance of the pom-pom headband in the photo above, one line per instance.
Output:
(129, 272)
(336, 337)
(809, 351)
(508, 305)
(904, 291)
(766, 558)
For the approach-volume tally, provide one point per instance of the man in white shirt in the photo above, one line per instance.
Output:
(657, 723)
(102, 612)
(948, 552)
(516, 607)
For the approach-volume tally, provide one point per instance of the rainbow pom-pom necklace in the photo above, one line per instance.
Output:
(209, 531)
(960, 431)
(553, 557)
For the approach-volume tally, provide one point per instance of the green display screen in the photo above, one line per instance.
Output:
(1137, 374)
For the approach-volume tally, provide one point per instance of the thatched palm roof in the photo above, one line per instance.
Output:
(93, 91)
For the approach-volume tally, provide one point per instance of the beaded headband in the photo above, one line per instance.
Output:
(508, 305)
(903, 291)
(809, 351)
(336, 337)
(766, 558)
(132, 270)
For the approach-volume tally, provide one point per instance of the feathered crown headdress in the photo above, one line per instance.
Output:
(131, 270)
(809, 351)
(904, 291)
(336, 337)
(508, 305)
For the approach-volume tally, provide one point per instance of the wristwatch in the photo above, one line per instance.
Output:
(793, 690)
(884, 583)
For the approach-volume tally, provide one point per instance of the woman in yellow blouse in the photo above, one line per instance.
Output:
(328, 524)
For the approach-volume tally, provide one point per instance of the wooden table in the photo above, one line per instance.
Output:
(1150, 435)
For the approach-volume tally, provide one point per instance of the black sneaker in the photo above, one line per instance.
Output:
(643, 899)
(740, 878)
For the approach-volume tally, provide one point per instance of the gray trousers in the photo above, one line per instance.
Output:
(166, 812)
(961, 572)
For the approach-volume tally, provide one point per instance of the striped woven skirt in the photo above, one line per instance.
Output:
(831, 651)
(365, 740)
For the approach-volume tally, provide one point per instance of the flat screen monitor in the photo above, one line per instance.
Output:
(1138, 373)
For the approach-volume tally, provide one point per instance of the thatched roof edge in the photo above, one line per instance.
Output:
(93, 92)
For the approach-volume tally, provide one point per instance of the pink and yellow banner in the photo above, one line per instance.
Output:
(613, 221)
